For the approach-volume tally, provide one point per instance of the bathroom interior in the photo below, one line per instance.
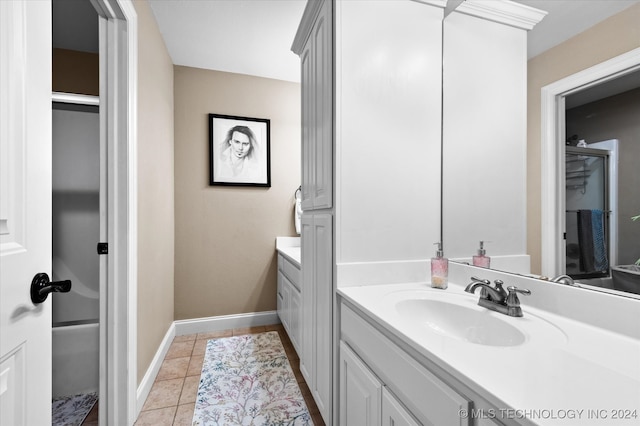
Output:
(468, 187)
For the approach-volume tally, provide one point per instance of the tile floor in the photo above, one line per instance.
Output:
(173, 395)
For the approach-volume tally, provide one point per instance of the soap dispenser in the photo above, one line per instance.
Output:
(481, 259)
(439, 269)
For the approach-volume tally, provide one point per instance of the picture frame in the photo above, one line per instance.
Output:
(239, 151)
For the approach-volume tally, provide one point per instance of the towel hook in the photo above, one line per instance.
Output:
(295, 195)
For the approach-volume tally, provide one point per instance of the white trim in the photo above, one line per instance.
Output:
(118, 310)
(504, 12)
(225, 322)
(154, 368)
(552, 154)
(193, 326)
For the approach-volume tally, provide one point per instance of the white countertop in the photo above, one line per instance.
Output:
(289, 247)
(565, 373)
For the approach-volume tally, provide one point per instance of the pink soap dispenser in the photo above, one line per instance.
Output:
(439, 269)
(481, 259)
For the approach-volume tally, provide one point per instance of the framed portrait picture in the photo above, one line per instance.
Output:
(239, 151)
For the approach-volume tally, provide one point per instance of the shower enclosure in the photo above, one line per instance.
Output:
(76, 227)
(591, 204)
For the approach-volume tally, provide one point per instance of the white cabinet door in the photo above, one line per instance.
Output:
(323, 313)
(295, 304)
(393, 413)
(308, 135)
(307, 251)
(360, 391)
(317, 308)
(25, 211)
(317, 114)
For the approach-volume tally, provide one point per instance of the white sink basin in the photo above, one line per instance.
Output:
(457, 316)
(467, 323)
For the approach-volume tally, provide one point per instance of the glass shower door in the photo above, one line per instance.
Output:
(587, 213)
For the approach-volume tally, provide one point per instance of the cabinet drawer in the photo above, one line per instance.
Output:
(292, 272)
(431, 400)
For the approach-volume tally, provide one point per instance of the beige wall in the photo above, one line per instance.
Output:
(155, 188)
(225, 236)
(610, 38)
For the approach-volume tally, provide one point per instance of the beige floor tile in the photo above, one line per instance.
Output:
(215, 334)
(185, 337)
(189, 390)
(164, 393)
(249, 330)
(184, 415)
(200, 347)
(195, 365)
(172, 400)
(159, 417)
(180, 349)
(173, 368)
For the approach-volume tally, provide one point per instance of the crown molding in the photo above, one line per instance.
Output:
(504, 12)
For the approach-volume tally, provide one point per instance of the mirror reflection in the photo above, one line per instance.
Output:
(601, 185)
(598, 184)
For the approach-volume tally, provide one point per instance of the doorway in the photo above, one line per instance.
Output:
(76, 224)
(605, 76)
(118, 46)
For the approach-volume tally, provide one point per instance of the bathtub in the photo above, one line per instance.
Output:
(626, 278)
(76, 359)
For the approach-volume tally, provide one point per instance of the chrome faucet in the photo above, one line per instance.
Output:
(496, 298)
(563, 279)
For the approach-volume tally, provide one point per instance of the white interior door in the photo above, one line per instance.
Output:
(25, 211)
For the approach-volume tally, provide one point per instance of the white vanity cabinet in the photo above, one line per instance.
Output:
(289, 299)
(364, 400)
(360, 391)
(394, 413)
(380, 381)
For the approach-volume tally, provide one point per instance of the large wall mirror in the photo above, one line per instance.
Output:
(590, 181)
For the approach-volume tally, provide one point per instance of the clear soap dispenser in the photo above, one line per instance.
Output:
(481, 259)
(439, 269)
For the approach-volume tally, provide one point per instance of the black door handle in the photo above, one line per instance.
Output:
(41, 286)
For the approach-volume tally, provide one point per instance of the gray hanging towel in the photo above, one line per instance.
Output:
(601, 263)
(585, 240)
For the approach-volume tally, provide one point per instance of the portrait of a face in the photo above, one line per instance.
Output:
(239, 151)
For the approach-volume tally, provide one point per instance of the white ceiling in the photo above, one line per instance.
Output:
(241, 36)
(254, 36)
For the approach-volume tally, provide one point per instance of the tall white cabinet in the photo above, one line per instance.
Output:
(314, 46)
(371, 148)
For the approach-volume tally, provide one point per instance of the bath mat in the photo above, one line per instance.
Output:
(72, 410)
(247, 380)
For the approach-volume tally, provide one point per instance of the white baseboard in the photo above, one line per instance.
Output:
(152, 372)
(198, 325)
(225, 322)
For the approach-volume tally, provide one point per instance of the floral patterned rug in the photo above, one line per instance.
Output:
(72, 410)
(247, 380)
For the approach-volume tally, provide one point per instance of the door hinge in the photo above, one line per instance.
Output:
(564, 236)
(103, 248)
